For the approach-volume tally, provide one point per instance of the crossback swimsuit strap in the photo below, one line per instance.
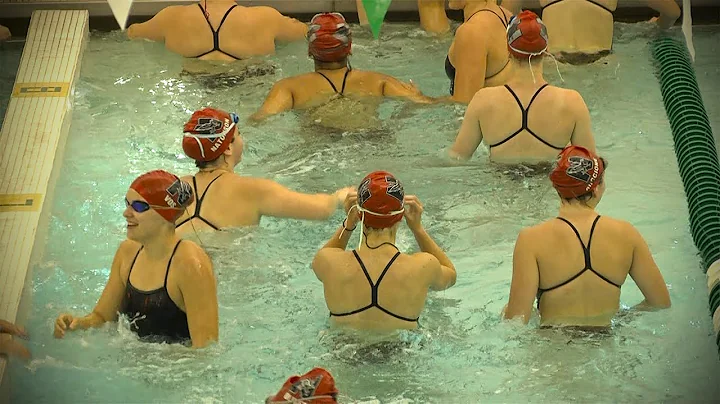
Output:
(374, 291)
(216, 32)
(342, 90)
(591, 1)
(588, 262)
(525, 112)
(198, 204)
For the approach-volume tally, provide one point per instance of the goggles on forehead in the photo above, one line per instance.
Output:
(233, 117)
(334, 14)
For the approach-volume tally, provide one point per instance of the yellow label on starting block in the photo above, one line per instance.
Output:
(41, 90)
(20, 202)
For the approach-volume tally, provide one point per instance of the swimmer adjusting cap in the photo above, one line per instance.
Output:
(381, 200)
(577, 171)
(167, 194)
(208, 134)
(526, 35)
(314, 387)
(329, 38)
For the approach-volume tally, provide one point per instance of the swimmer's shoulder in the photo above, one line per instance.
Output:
(248, 188)
(487, 97)
(567, 93)
(124, 256)
(129, 247)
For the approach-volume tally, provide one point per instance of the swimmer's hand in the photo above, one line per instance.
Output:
(10, 347)
(341, 195)
(413, 212)
(66, 322)
(352, 217)
(7, 327)
(62, 323)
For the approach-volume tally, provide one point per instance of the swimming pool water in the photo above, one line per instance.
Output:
(129, 106)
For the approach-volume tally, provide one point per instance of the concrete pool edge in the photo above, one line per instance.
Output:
(34, 131)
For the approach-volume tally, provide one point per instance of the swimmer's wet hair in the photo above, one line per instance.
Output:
(206, 164)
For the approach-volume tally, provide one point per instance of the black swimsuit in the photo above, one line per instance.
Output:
(374, 292)
(591, 1)
(153, 315)
(525, 119)
(588, 263)
(342, 89)
(198, 205)
(450, 69)
(216, 33)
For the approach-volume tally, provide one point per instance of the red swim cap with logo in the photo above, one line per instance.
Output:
(164, 190)
(314, 387)
(329, 38)
(577, 171)
(381, 199)
(526, 35)
(208, 134)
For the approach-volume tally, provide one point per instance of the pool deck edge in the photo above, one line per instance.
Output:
(33, 135)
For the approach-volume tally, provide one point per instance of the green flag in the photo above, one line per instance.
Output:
(376, 10)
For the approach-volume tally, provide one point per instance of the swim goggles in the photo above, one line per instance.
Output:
(142, 206)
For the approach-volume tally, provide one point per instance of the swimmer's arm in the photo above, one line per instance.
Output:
(109, 303)
(199, 291)
(470, 55)
(582, 132)
(443, 274)
(287, 29)
(515, 6)
(646, 274)
(525, 279)
(153, 29)
(393, 87)
(669, 12)
(433, 17)
(470, 135)
(362, 14)
(280, 99)
(322, 264)
(278, 201)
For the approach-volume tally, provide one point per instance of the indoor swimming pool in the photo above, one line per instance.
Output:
(129, 107)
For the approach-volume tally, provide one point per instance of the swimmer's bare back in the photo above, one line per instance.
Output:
(242, 32)
(579, 26)
(312, 89)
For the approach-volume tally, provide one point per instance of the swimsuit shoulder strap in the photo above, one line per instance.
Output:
(362, 266)
(206, 15)
(133, 262)
(167, 270)
(342, 90)
(329, 81)
(502, 19)
(227, 13)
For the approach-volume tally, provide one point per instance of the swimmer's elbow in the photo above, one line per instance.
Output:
(458, 156)
(132, 31)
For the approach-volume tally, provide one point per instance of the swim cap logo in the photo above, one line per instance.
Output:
(306, 388)
(179, 193)
(579, 169)
(364, 192)
(208, 126)
(395, 188)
